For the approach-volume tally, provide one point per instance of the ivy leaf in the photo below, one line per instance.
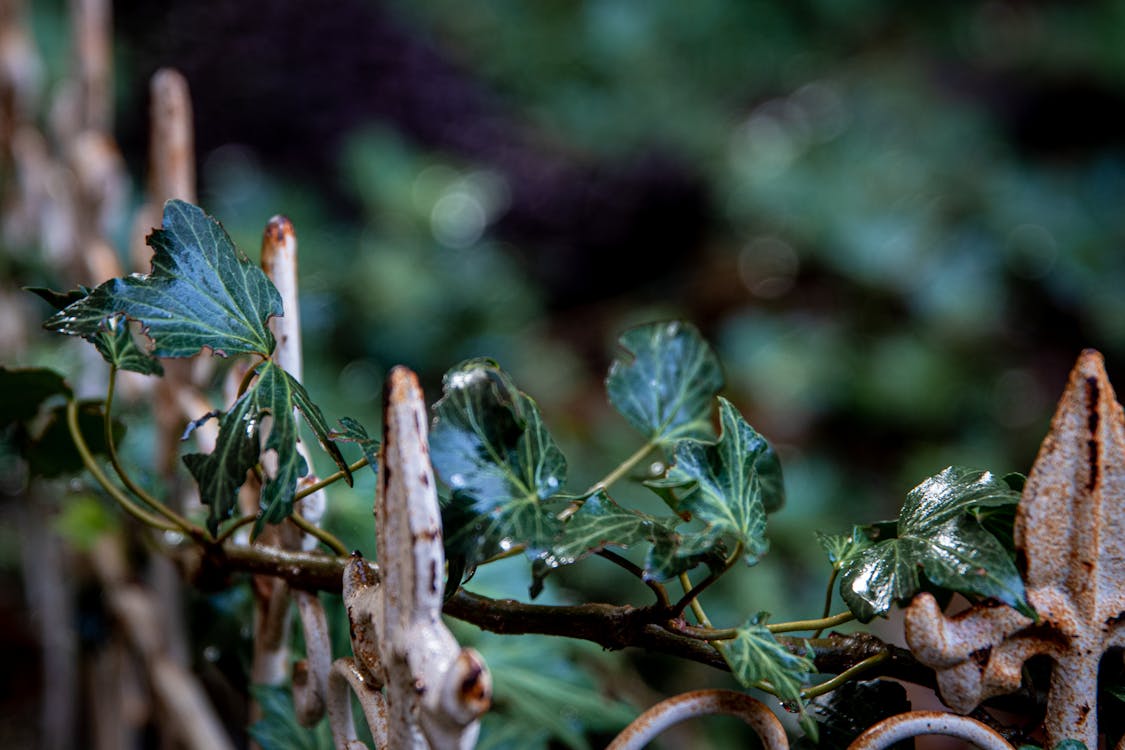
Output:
(202, 293)
(665, 384)
(354, 432)
(841, 549)
(237, 450)
(754, 655)
(601, 523)
(937, 535)
(488, 440)
(679, 551)
(723, 486)
(114, 339)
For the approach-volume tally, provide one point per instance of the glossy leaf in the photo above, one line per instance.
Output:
(238, 448)
(849, 710)
(936, 535)
(720, 482)
(601, 523)
(755, 655)
(353, 432)
(666, 382)
(114, 339)
(202, 293)
(489, 443)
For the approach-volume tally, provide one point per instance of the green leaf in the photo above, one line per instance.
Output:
(539, 684)
(489, 444)
(23, 391)
(202, 293)
(937, 535)
(354, 432)
(723, 488)
(601, 523)
(237, 450)
(488, 440)
(278, 728)
(114, 339)
(666, 383)
(679, 551)
(840, 549)
(755, 655)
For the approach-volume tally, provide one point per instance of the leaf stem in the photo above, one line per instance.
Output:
(703, 634)
(228, 532)
(828, 598)
(848, 674)
(818, 625)
(657, 587)
(696, 607)
(244, 384)
(175, 518)
(330, 479)
(691, 594)
(325, 537)
(142, 515)
(622, 469)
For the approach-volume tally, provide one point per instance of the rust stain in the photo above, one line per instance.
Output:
(1069, 528)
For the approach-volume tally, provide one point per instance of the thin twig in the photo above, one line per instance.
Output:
(91, 465)
(325, 537)
(692, 594)
(829, 685)
(622, 562)
(817, 625)
(182, 524)
(828, 598)
(330, 479)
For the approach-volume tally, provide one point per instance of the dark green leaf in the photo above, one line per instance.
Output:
(488, 441)
(679, 551)
(755, 655)
(722, 484)
(937, 535)
(849, 710)
(52, 453)
(354, 432)
(490, 446)
(666, 382)
(237, 449)
(278, 728)
(23, 391)
(115, 339)
(202, 293)
(950, 494)
(601, 523)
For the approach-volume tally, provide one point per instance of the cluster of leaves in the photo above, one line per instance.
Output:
(507, 478)
(202, 294)
(506, 475)
(939, 532)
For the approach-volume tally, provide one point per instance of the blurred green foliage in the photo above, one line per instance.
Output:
(912, 234)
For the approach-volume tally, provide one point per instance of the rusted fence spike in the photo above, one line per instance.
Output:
(1068, 533)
